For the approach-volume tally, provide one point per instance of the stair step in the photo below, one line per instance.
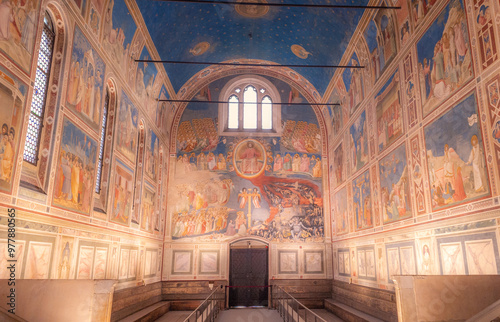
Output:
(348, 313)
(149, 313)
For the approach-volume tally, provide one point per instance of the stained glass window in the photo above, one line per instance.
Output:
(39, 92)
(101, 146)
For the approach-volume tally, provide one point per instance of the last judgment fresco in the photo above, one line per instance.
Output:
(228, 186)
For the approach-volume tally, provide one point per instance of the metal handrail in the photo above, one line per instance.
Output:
(208, 309)
(288, 307)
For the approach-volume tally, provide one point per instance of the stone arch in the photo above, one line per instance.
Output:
(215, 72)
(112, 91)
(55, 82)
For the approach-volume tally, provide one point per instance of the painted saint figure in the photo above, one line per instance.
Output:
(476, 159)
(249, 161)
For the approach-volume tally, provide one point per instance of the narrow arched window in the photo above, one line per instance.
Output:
(104, 122)
(40, 89)
(233, 112)
(249, 107)
(267, 113)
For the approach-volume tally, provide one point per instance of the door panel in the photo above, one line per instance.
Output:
(248, 268)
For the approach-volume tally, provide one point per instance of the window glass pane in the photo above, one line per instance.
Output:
(233, 113)
(39, 92)
(101, 148)
(267, 113)
(250, 108)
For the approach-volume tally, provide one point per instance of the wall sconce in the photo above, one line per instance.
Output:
(211, 284)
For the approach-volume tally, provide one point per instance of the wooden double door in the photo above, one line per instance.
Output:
(248, 276)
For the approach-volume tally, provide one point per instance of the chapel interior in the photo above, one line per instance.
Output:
(346, 152)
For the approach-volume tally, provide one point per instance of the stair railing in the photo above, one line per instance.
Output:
(289, 308)
(209, 308)
(490, 313)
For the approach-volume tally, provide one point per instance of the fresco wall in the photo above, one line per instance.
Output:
(412, 166)
(232, 186)
(223, 188)
(64, 229)
(414, 169)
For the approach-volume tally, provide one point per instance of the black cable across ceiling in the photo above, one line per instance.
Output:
(243, 64)
(225, 102)
(296, 5)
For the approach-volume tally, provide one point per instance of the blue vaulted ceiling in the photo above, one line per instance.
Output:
(177, 29)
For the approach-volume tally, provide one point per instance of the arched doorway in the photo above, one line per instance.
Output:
(248, 273)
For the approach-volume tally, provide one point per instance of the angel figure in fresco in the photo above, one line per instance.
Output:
(242, 198)
(256, 198)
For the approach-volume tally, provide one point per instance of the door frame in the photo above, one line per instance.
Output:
(256, 242)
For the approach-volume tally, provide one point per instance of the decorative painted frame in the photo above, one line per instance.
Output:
(203, 269)
(364, 254)
(309, 267)
(291, 255)
(464, 242)
(177, 266)
(344, 253)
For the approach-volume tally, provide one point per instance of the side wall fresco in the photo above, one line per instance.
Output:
(64, 229)
(432, 159)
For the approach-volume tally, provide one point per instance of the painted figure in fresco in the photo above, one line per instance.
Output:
(448, 166)
(7, 156)
(87, 188)
(278, 163)
(481, 17)
(249, 159)
(297, 228)
(202, 162)
(476, 159)
(312, 164)
(6, 19)
(287, 162)
(221, 162)
(304, 163)
(231, 228)
(242, 199)
(66, 169)
(459, 186)
(296, 163)
(356, 87)
(241, 223)
(317, 173)
(256, 198)
(211, 162)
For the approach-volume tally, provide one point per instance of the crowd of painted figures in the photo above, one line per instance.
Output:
(200, 222)
(199, 134)
(301, 137)
(73, 185)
